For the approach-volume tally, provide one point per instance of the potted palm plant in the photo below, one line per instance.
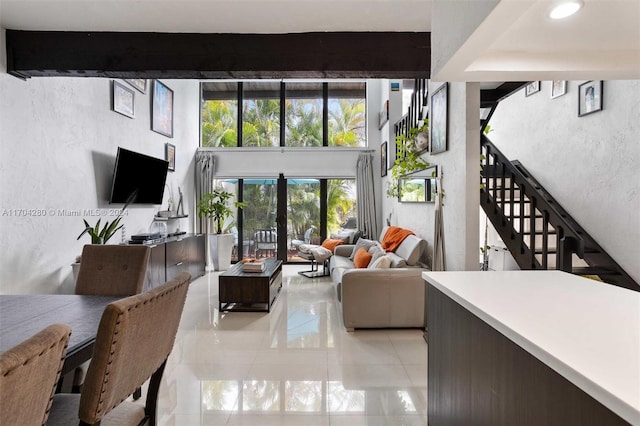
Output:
(216, 206)
(99, 235)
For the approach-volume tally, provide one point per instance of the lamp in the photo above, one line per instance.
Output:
(565, 9)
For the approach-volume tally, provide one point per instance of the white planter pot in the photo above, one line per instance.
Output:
(220, 248)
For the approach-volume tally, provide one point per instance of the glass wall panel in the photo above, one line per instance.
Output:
(259, 231)
(303, 215)
(219, 114)
(261, 113)
(347, 114)
(303, 114)
(341, 205)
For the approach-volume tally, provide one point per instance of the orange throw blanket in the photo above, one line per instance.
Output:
(394, 237)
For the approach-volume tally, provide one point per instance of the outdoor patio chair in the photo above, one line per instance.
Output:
(266, 242)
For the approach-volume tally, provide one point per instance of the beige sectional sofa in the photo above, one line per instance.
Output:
(381, 298)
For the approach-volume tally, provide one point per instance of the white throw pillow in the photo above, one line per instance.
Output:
(383, 262)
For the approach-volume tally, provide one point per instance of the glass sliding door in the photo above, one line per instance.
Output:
(341, 205)
(303, 215)
(259, 217)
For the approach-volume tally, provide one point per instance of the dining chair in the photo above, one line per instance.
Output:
(134, 340)
(29, 373)
(110, 270)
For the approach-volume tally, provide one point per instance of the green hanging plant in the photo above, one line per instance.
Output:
(407, 160)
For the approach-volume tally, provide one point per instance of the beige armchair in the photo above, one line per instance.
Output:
(134, 340)
(29, 373)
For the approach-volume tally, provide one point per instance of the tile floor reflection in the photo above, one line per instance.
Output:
(294, 366)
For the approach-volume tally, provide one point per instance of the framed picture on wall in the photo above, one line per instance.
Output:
(123, 99)
(531, 88)
(558, 88)
(170, 156)
(140, 84)
(589, 97)
(162, 109)
(439, 120)
(383, 159)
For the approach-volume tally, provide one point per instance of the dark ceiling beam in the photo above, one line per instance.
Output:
(180, 55)
(490, 97)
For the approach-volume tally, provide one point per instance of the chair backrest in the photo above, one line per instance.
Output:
(112, 270)
(134, 340)
(29, 373)
(265, 238)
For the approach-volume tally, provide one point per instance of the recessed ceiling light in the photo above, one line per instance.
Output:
(565, 9)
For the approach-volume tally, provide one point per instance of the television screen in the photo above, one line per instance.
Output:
(139, 173)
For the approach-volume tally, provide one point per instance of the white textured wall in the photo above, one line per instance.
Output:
(460, 168)
(589, 164)
(58, 141)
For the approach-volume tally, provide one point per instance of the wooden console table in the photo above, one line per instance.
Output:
(531, 348)
(250, 291)
(183, 253)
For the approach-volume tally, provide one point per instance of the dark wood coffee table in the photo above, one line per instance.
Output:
(250, 291)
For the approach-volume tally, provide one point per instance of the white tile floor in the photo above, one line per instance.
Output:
(294, 366)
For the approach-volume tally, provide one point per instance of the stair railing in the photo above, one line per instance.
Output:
(506, 183)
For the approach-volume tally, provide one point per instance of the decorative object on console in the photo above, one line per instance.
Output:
(162, 109)
(123, 100)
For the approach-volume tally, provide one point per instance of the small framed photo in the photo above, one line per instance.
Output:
(140, 84)
(162, 109)
(589, 97)
(383, 159)
(558, 88)
(439, 121)
(531, 88)
(123, 99)
(170, 156)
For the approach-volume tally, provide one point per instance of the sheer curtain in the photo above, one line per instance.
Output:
(365, 196)
(205, 167)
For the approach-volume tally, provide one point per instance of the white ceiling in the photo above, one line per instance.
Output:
(516, 41)
(217, 16)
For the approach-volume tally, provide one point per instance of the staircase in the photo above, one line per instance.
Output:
(538, 232)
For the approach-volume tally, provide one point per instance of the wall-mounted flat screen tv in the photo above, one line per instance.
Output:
(140, 174)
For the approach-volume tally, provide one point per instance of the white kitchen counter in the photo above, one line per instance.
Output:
(588, 332)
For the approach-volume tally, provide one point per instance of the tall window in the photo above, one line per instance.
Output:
(300, 121)
(341, 204)
(261, 114)
(347, 114)
(303, 114)
(219, 114)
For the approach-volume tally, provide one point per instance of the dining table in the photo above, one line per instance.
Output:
(22, 316)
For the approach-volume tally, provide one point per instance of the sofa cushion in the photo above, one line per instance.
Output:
(396, 261)
(376, 252)
(411, 249)
(381, 263)
(362, 243)
(344, 234)
(331, 244)
(362, 258)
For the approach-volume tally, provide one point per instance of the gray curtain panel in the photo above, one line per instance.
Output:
(205, 168)
(365, 196)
